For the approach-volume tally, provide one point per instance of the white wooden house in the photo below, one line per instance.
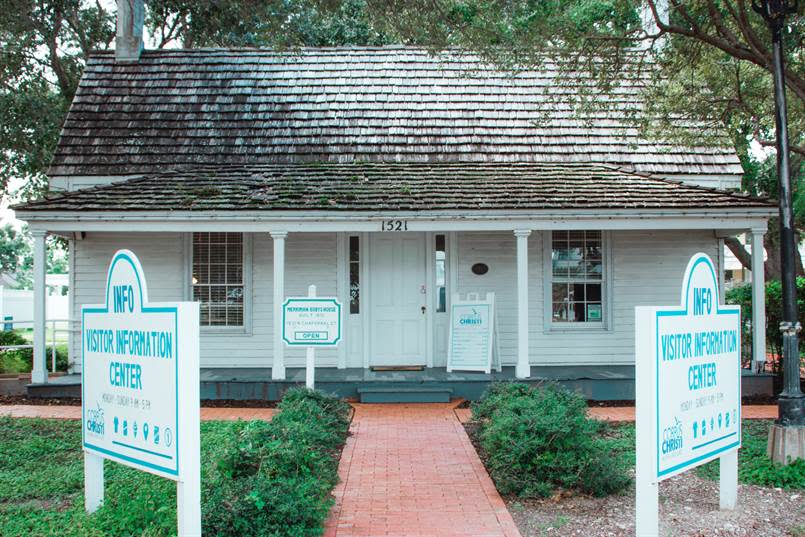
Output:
(391, 179)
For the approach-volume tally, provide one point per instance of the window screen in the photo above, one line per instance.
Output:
(218, 278)
(577, 277)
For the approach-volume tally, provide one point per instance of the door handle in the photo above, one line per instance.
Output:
(423, 310)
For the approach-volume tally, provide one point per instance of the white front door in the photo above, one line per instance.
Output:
(398, 297)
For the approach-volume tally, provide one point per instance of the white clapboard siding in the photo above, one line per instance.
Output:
(646, 269)
(161, 257)
(310, 259)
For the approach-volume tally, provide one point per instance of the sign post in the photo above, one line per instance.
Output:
(688, 390)
(140, 389)
(311, 322)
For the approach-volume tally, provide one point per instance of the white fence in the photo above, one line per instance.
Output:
(16, 305)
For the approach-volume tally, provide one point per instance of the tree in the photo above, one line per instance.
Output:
(44, 45)
(14, 249)
(697, 62)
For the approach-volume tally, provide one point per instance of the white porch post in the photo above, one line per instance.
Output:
(39, 374)
(278, 367)
(758, 300)
(523, 369)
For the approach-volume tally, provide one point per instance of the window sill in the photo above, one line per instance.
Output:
(577, 327)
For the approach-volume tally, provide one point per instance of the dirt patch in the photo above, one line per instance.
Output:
(688, 508)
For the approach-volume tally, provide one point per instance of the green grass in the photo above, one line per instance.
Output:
(41, 484)
(754, 467)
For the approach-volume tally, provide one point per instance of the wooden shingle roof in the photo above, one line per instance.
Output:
(186, 108)
(394, 187)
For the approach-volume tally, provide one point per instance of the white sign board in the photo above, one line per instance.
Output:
(688, 381)
(311, 321)
(472, 334)
(140, 382)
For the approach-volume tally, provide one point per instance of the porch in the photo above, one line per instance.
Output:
(567, 265)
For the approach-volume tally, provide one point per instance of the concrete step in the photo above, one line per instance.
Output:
(408, 394)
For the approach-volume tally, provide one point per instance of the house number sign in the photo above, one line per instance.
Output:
(394, 225)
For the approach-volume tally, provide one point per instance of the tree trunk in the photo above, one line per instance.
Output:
(771, 243)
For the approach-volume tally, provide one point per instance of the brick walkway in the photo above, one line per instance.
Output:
(74, 412)
(625, 413)
(410, 470)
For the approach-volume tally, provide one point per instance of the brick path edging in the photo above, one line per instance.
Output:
(626, 414)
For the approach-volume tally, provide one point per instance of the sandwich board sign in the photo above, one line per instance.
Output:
(472, 334)
(688, 389)
(140, 388)
(311, 322)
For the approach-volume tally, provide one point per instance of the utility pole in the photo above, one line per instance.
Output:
(787, 436)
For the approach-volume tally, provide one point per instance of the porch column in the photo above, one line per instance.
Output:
(278, 367)
(758, 301)
(523, 369)
(39, 373)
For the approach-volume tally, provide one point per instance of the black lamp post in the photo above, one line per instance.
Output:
(791, 401)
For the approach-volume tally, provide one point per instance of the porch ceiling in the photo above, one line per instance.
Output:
(394, 187)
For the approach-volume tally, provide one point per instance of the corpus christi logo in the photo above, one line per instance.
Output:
(672, 437)
(470, 318)
(95, 421)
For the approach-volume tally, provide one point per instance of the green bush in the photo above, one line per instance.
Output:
(538, 440)
(21, 360)
(274, 478)
(742, 296)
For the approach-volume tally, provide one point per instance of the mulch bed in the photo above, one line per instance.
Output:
(75, 401)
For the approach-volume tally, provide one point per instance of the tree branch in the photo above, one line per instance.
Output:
(739, 251)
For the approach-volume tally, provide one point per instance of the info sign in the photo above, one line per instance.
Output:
(688, 385)
(140, 385)
(311, 322)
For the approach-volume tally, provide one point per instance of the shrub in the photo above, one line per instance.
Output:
(274, 478)
(742, 296)
(21, 360)
(538, 440)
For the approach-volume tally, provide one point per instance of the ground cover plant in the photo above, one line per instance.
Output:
(270, 478)
(537, 441)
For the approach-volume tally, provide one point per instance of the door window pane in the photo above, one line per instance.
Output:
(441, 274)
(354, 275)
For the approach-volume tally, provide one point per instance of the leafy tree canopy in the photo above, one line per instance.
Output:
(44, 45)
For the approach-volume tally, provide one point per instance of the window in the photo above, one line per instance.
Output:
(354, 274)
(217, 278)
(441, 285)
(577, 285)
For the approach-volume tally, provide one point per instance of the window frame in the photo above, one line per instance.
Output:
(248, 290)
(606, 287)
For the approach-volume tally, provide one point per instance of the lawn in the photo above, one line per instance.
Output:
(41, 485)
(258, 478)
